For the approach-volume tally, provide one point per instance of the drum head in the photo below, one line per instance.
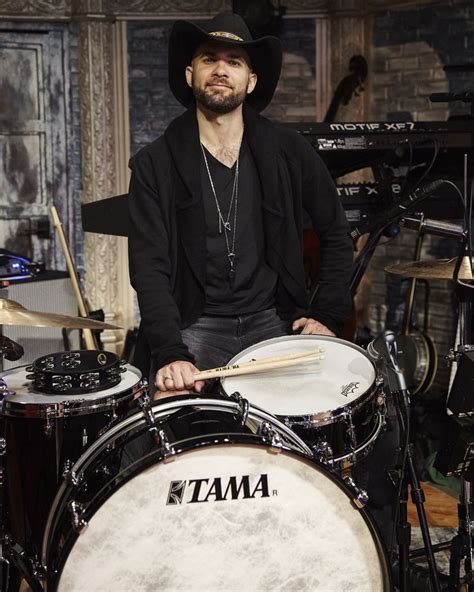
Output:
(228, 517)
(339, 379)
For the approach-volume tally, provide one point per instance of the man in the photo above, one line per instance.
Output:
(216, 206)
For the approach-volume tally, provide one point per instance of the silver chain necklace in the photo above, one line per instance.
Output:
(230, 244)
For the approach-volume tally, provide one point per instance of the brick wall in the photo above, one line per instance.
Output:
(152, 106)
(410, 49)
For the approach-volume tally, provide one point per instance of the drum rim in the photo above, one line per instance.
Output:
(137, 419)
(71, 407)
(328, 416)
(244, 440)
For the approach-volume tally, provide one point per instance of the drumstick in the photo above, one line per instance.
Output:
(254, 367)
(298, 355)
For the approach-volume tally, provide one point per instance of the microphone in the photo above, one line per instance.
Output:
(383, 350)
(380, 348)
(9, 349)
(436, 227)
(397, 210)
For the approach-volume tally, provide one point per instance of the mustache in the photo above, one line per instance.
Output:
(222, 81)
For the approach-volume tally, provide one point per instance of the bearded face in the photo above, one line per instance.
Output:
(220, 77)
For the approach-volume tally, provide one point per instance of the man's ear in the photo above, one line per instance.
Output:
(252, 82)
(189, 75)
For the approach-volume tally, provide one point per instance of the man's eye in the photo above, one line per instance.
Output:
(234, 63)
(208, 59)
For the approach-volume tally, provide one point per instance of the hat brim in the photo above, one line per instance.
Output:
(265, 54)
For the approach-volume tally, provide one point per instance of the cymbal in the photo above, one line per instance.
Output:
(12, 313)
(437, 269)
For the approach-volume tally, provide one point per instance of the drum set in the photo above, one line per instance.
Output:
(249, 488)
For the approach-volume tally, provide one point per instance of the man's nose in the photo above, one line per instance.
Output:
(220, 68)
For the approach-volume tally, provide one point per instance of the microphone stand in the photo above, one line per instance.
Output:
(408, 473)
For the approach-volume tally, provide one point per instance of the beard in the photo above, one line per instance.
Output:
(216, 101)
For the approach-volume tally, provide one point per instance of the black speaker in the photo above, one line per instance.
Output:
(461, 396)
(49, 292)
(457, 454)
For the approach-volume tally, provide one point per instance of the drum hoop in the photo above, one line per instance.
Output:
(363, 448)
(299, 338)
(324, 418)
(138, 419)
(250, 441)
(329, 416)
(73, 407)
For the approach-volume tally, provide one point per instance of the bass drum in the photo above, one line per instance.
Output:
(242, 506)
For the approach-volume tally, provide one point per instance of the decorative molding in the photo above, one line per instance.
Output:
(168, 9)
(122, 155)
(51, 8)
(96, 72)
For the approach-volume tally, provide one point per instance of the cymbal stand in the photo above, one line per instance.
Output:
(408, 473)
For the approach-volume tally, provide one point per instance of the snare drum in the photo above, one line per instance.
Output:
(336, 405)
(242, 506)
(47, 433)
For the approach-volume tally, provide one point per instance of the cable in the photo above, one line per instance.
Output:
(430, 166)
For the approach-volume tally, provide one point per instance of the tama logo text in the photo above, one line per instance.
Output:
(218, 489)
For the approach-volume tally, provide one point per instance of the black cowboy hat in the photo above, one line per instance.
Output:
(227, 27)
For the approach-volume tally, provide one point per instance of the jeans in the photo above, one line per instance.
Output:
(213, 341)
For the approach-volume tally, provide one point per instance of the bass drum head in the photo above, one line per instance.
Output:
(315, 387)
(228, 517)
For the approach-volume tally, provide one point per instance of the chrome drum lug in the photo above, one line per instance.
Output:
(77, 520)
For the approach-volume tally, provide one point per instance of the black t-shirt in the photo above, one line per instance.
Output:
(253, 286)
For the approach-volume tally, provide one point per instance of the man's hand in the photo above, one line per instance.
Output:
(176, 378)
(311, 327)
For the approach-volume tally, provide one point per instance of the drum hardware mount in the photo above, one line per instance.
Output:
(166, 449)
(271, 437)
(360, 498)
(50, 415)
(243, 407)
(112, 415)
(72, 477)
(352, 436)
(77, 521)
(323, 452)
(3, 389)
(144, 402)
